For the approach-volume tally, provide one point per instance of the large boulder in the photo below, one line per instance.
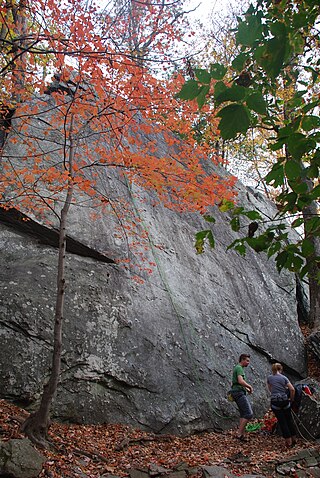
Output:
(19, 459)
(157, 353)
(314, 344)
(307, 418)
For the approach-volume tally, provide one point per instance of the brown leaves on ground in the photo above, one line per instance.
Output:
(94, 450)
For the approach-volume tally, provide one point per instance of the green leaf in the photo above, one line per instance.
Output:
(209, 218)
(238, 210)
(312, 225)
(260, 243)
(219, 87)
(239, 62)
(299, 20)
(315, 192)
(310, 106)
(299, 187)
(310, 122)
(257, 103)
(249, 31)
(314, 73)
(297, 42)
(295, 263)
(274, 248)
(280, 227)
(315, 136)
(290, 200)
(278, 29)
(276, 175)
(203, 75)
(293, 169)
(285, 132)
(201, 98)
(235, 223)
(298, 222)
(235, 93)
(189, 90)
(281, 260)
(296, 101)
(239, 246)
(307, 248)
(271, 55)
(201, 237)
(303, 201)
(316, 157)
(290, 259)
(304, 271)
(253, 215)
(299, 145)
(278, 145)
(217, 71)
(225, 205)
(234, 119)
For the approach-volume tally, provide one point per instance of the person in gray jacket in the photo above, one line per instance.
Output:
(282, 395)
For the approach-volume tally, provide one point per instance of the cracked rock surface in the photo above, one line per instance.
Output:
(156, 355)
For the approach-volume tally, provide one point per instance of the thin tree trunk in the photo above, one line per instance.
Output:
(314, 286)
(313, 270)
(19, 65)
(37, 424)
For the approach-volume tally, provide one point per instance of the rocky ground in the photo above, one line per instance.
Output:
(104, 450)
(113, 450)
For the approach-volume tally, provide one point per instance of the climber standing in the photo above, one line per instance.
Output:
(240, 389)
(279, 386)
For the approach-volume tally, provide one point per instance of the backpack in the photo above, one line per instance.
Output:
(299, 388)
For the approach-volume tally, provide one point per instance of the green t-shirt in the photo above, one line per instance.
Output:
(238, 370)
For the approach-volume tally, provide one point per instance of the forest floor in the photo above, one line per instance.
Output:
(94, 450)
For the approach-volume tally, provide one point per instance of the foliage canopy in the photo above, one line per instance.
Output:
(278, 43)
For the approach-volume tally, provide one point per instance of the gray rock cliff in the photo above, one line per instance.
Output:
(157, 354)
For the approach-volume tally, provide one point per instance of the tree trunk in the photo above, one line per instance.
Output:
(37, 424)
(19, 65)
(314, 286)
(309, 211)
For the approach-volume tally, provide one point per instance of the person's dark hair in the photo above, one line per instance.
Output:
(243, 357)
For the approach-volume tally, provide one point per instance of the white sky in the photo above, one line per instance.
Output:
(210, 14)
(208, 6)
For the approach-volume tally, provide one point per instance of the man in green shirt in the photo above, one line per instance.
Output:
(239, 391)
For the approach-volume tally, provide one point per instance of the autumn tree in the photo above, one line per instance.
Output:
(278, 51)
(152, 28)
(94, 115)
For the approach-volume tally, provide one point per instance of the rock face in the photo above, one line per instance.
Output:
(157, 354)
(307, 419)
(19, 459)
(314, 344)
